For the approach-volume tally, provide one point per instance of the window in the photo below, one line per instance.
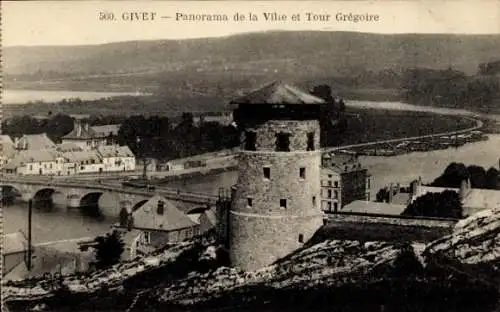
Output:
(310, 141)
(329, 183)
(336, 194)
(336, 183)
(335, 206)
(147, 238)
(282, 142)
(50, 166)
(302, 173)
(92, 161)
(329, 206)
(160, 208)
(329, 175)
(314, 201)
(267, 172)
(329, 193)
(250, 140)
(249, 202)
(283, 203)
(301, 238)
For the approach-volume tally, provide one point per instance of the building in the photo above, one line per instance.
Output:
(86, 161)
(14, 250)
(36, 162)
(155, 224)
(330, 190)
(206, 218)
(107, 130)
(7, 150)
(343, 180)
(473, 200)
(116, 158)
(34, 142)
(275, 205)
(83, 136)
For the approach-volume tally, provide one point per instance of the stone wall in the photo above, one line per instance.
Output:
(257, 241)
(274, 215)
(358, 227)
(298, 130)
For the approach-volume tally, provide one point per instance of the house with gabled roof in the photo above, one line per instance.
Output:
(36, 162)
(34, 142)
(154, 225)
(117, 158)
(84, 136)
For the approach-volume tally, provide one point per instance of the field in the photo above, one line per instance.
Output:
(367, 125)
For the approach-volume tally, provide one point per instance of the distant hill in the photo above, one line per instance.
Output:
(247, 58)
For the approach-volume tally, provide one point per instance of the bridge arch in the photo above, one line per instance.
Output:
(44, 193)
(91, 199)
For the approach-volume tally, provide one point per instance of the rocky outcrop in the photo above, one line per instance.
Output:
(453, 268)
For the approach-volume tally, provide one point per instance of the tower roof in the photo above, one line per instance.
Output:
(278, 92)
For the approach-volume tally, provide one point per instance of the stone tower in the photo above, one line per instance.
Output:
(275, 205)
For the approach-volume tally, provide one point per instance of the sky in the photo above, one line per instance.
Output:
(33, 23)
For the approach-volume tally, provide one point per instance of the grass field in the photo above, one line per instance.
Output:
(367, 125)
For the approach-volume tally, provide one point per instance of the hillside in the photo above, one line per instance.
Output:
(458, 272)
(241, 59)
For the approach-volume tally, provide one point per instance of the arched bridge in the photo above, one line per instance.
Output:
(88, 193)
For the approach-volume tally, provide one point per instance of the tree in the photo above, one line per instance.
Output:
(108, 249)
(406, 262)
(439, 205)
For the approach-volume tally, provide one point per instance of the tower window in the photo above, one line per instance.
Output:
(336, 194)
(249, 202)
(329, 193)
(314, 201)
(267, 172)
(310, 141)
(250, 140)
(302, 173)
(283, 203)
(301, 238)
(282, 142)
(336, 183)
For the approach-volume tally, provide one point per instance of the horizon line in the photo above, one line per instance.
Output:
(252, 33)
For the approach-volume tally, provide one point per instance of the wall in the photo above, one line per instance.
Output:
(260, 230)
(258, 241)
(89, 168)
(354, 186)
(358, 227)
(47, 168)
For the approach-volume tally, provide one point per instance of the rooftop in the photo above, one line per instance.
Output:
(362, 206)
(35, 142)
(115, 151)
(82, 132)
(106, 129)
(278, 92)
(147, 217)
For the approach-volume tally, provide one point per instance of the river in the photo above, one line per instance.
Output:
(59, 223)
(19, 97)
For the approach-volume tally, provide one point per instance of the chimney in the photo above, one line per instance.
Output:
(391, 190)
(78, 127)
